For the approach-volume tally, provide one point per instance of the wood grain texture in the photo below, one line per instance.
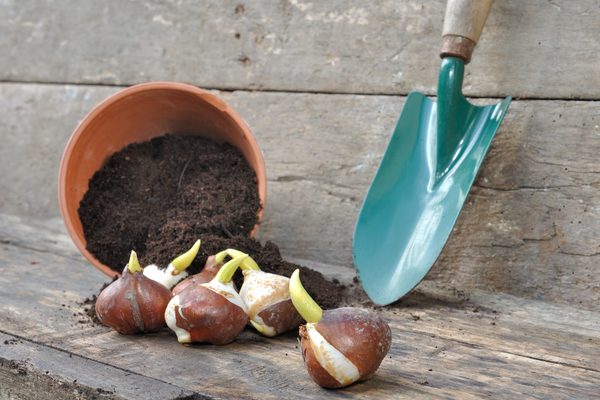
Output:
(535, 48)
(36, 371)
(490, 345)
(35, 125)
(530, 227)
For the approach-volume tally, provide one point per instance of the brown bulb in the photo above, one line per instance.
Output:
(282, 317)
(133, 303)
(346, 345)
(340, 346)
(209, 312)
(211, 267)
(267, 297)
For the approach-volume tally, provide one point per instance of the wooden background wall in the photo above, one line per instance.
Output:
(322, 84)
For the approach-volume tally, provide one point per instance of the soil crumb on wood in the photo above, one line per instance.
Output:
(89, 304)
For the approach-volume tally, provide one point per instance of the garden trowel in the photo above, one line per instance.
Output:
(427, 170)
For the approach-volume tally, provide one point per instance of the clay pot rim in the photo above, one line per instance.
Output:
(207, 96)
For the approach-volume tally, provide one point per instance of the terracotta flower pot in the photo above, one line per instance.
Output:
(137, 114)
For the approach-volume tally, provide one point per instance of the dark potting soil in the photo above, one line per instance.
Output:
(160, 196)
(158, 191)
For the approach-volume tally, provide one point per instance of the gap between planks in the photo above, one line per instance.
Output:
(231, 89)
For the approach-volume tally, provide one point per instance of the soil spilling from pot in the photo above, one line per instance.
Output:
(160, 196)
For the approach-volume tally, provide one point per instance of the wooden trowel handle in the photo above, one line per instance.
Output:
(463, 24)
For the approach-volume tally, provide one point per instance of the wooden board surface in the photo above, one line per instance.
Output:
(489, 345)
(30, 370)
(534, 48)
(530, 227)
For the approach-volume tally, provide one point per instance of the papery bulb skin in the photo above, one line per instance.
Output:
(211, 312)
(211, 267)
(267, 298)
(133, 304)
(347, 345)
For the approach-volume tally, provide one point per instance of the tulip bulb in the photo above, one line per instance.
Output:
(339, 346)
(133, 303)
(267, 297)
(211, 268)
(211, 312)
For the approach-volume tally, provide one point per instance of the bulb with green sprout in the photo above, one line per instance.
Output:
(133, 303)
(267, 298)
(339, 346)
(175, 271)
(211, 312)
(210, 269)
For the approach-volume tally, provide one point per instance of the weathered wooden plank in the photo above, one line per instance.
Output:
(501, 323)
(536, 48)
(33, 371)
(492, 345)
(34, 129)
(531, 221)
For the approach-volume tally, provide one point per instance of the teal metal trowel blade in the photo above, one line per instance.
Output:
(421, 184)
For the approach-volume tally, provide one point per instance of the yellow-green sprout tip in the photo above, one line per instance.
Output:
(134, 264)
(304, 304)
(182, 262)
